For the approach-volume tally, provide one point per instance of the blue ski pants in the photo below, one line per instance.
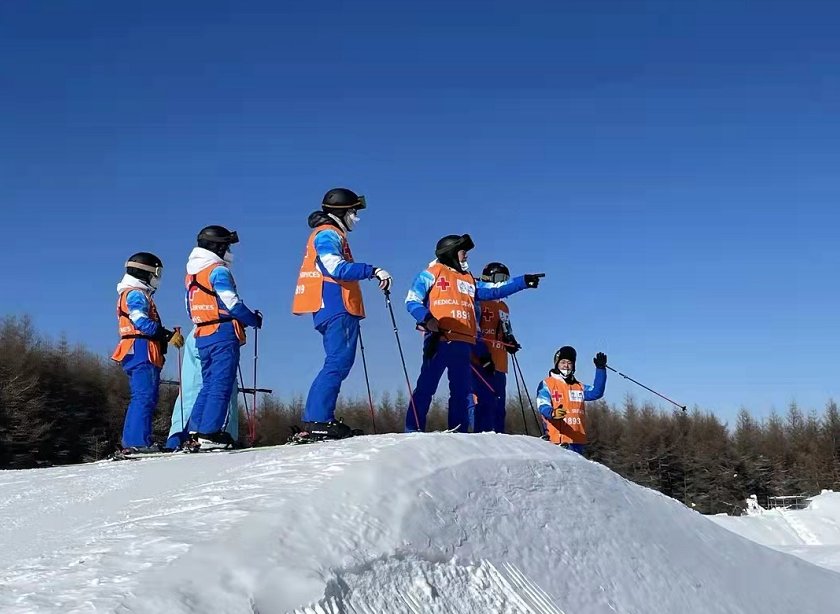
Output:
(219, 362)
(454, 358)
(340, 335)
(490, 408)
(144, 382)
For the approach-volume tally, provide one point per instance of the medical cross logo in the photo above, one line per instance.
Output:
(557, 396)
(443, 284)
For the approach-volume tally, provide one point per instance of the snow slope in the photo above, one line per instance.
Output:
(393, 523)
(812, 534)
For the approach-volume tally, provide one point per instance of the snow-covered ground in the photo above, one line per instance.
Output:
(812, 534)
(421, 523)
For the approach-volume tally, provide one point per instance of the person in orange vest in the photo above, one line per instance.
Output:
(561, 399)
(220, 318)
(443, 300)
(142, 347)
(328, 288)
(490, 385)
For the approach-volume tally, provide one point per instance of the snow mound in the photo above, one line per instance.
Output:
(812, 534)
(392, 523)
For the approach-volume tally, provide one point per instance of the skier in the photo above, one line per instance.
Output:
(443, 301)
(142, 347)
(328, 288)
(191, 381)
(561, 399)
(498, 337)
(220, 318)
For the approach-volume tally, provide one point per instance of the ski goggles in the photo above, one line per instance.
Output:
(157, 271)
(496, 278)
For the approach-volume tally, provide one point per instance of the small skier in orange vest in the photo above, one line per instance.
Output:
(142, 347)
(443, 300)
(561, 399)
(328, 288)
(490, 389)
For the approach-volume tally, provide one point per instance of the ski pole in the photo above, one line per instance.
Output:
(521, 402)
(180, 384)
(252, 423)
(245, 400)
(486, 383)
(367, 381)
(528, 395)
(402, 358)
(682, 407)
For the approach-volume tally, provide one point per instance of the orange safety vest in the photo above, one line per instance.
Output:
(129, 332)
(452, 302)
(572, 427)
(494, 316)
(204, 309)
(309, 292)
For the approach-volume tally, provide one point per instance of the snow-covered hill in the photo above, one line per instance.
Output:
(812, 534)
(394, 523)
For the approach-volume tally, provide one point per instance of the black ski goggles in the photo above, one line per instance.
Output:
(496, 278)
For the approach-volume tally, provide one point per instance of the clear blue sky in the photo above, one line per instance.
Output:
(671, 166)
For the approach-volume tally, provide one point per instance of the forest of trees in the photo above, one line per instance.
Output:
(63, 405)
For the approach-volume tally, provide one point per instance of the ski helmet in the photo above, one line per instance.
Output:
(217, 239)
(146, 267)
(448, 247)
(342, 198)
(495, 272)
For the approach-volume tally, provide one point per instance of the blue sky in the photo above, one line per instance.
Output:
(671, 167)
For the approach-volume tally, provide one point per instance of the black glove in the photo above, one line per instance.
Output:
(511, 344)
(259, 317)
(487, 366)
(600, 360)
(163, 335)
(431, 346)
(431, 324)
(532, 280)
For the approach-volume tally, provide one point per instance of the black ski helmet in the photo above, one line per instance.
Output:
(217, 239)
(495, 272)
(342, 198)
(567, 352)
(144, 266)
(448, 247)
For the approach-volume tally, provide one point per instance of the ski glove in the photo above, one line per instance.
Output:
(487, 366)
(431, 324)
(511, 344)
(384, 278)
(259, 316)
(532, 280)
(177, 339)
(600, 360)
(558, 414)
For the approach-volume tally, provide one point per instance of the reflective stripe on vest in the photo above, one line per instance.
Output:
(572, 427)
(309, 291)
(452, 302)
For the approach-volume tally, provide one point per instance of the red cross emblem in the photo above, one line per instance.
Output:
(557, 396)
(487, 316)
(443, 284)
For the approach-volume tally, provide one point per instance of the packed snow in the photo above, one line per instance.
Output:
(415, 523)
(812, 533)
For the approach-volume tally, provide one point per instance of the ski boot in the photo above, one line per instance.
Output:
(322, 431)
(207, 442)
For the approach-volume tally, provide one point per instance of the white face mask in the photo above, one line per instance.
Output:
(154, 282)
(565, 372)
(350, 220)
(228, 258)
(465, 266)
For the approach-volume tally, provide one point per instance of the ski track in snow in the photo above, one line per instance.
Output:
(422, 523)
